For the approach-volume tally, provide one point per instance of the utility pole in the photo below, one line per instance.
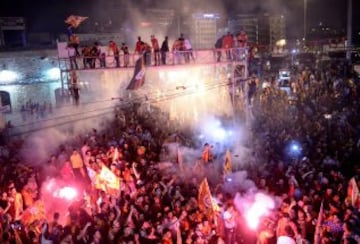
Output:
(349, 31)
(305, 20)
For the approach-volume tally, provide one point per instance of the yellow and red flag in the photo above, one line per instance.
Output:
(205, 201)
(107, 181)
(75, 20)
(35, 212)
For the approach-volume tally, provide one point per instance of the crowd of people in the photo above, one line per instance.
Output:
(157, 202)
(112, 55)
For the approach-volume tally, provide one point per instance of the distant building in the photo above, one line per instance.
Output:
(325, 33)
(264, 30)
(247, 23)
(12, 31)
(159, 20)
(277, 28)
(204, 29)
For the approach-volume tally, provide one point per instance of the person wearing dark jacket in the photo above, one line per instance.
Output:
(164, 50)
(218, 46)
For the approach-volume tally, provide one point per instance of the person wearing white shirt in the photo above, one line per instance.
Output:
(189, 51)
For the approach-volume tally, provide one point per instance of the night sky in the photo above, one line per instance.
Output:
(48, 15)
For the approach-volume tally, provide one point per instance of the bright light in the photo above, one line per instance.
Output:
(295, 148)
(67, 192)
(227, 215)
(145, 24)
(281, 43)
(8, 76)
(219, 134)
(208, 15)
(53, 74)
(261, 207)
(293, 51)
(50, 185)
(327, 116)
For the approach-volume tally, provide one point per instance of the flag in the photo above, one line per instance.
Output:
(139, 75)
(205, 200)
(75, 20)
(317, 238)
(353, 192)
(107, 181)
(35, 212)
(227, 164)
(179, 159)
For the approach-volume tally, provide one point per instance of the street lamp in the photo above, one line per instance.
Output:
(305, 17)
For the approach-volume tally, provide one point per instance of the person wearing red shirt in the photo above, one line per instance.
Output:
(156, 49)
(228, 44)
(116, 52)
(242, 39)
(138, 46)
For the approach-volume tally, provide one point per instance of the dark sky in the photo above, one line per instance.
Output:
(51, 13)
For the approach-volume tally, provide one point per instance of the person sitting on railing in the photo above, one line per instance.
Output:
(125, 50)
(116, 52)
(164, 50)
(156, 49)
(228, 44)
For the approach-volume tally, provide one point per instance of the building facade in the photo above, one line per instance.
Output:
(247, 23)
(204, 29)
(277, 29)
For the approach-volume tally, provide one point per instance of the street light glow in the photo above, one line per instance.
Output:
(8, 76)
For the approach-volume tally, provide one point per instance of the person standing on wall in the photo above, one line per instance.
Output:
(156, 49)
(116, 52)
(75, 87)
(218, 46)
(181, 45)
(125, 50)
(74, 41)
(164, 50)
(228, 44)
(138, 46)
(189, 51)
(146, 51)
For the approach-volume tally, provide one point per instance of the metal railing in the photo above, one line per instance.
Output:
(207, 56)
